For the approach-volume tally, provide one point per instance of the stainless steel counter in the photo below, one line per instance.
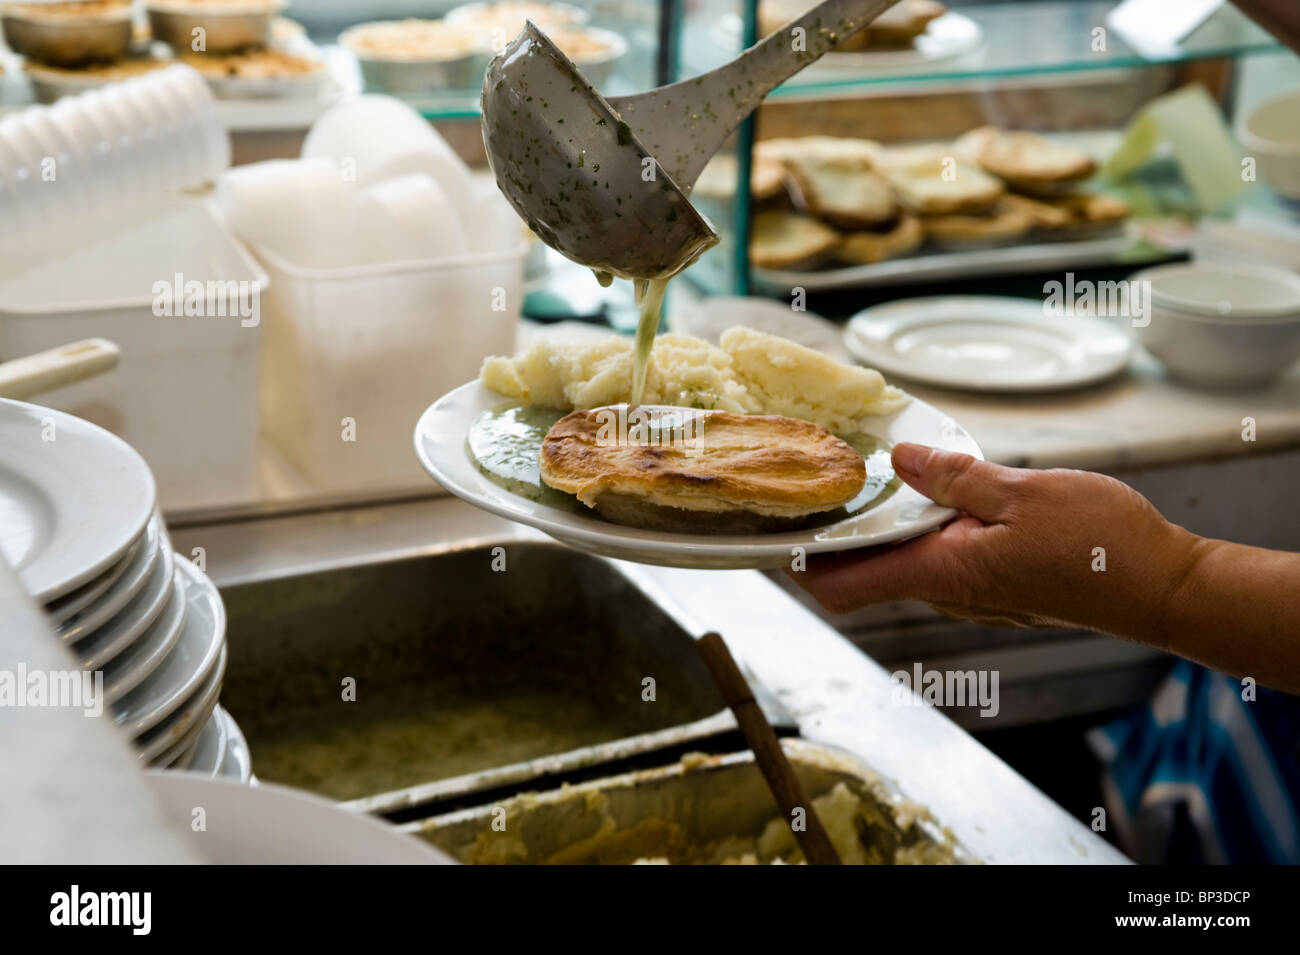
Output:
(837, 694)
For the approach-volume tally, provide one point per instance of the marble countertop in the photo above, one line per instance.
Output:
(1138, 419)
(1141, 418)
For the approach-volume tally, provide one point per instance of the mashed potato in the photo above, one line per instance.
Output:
(751, 373)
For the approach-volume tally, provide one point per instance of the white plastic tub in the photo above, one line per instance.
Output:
(185, 392)
(352, 357)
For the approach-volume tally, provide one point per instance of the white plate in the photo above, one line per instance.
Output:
(174, 735)
(69, 508)
(270, 825)
(154, 550)
(210, 748)
(987, 343)
(74, 602)
(190, 661)
(130, 667)
(238, 764)
(440, 445)
(115, 636)
(1020, 258)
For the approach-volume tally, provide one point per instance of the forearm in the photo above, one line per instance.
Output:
(1237, 610)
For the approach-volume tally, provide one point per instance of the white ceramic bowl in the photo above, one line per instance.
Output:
(1223, 326)
(1271, 134)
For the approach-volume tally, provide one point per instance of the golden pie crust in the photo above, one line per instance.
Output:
(252, 64)
(787, 240)
(1025, 159)
(720, 178)
(1005, 221)
(896, 27)
(935, 180)
(868, 248)
(766, 465)
(842, 192)
(410, 40)
(72, 9)
(865, 152)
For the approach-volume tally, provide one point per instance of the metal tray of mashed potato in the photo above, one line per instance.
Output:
(400, 684)
(705, 809)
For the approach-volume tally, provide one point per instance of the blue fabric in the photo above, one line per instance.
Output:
(1198, 774)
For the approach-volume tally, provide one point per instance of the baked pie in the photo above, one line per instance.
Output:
(96, 74)
(505, 19)
(864, 152)
(1087, 215)
(720, 176)
(90, 9)
(896, 27)
(730, 472)
(410, 40)
(253, 64)
(868, 248)
(1004, 222)
(933, 180)
(1028, 162)
(787, 240)
(842, 192)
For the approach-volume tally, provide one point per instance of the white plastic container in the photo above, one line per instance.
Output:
(352, 357)
(185, 392)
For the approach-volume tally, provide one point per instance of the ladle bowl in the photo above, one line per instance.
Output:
(606, 182)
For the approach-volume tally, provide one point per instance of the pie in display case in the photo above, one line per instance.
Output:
(957, 142)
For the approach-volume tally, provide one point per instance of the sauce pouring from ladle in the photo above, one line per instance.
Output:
(606, 182)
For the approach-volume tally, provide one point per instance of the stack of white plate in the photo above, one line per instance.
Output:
(79, 523)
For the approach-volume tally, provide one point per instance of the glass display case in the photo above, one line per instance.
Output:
(1074, 72)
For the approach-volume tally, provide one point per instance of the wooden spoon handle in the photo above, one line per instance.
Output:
(775, 766)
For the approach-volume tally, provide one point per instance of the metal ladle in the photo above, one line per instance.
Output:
(605, 182)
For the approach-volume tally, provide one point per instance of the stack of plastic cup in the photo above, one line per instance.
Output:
(72, 165)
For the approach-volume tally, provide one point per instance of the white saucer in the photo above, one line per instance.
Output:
(146, 654)
(238, 764)
(210, 748)
(115, 638)
(987, 343)
(186, 666)
(276, 825)
(71, 507)
(165, 743)
(440, 446)
(150, 565)
(74, 602)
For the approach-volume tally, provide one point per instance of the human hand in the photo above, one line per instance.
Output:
(1031, 548)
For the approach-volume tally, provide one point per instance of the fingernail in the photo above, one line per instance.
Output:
(909, 459)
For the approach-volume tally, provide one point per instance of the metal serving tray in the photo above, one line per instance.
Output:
(394, 685)
(703, 810)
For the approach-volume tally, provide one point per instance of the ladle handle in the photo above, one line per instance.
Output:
(783, 53)
(716, 102)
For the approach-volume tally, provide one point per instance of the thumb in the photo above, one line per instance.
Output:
(950, 479)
